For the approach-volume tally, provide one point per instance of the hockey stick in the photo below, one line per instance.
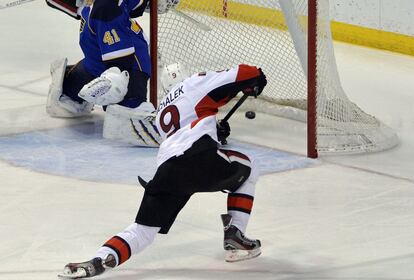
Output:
(13, 3)
(235, 107)
(142, 182)
(197, 23)
(227, 117)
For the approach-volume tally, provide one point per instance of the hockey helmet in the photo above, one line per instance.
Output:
(171, 75)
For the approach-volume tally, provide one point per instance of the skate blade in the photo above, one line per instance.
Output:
(67, 274)
(241, 255)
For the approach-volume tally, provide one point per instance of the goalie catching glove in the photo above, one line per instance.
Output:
(110, 88)
(257, 86)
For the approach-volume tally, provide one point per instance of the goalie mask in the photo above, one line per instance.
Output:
(171, 75)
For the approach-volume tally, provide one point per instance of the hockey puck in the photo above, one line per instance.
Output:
(250, 115)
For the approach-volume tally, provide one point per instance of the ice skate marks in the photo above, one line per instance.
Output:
(81, 152)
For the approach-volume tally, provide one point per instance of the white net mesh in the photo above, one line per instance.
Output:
(272, 34)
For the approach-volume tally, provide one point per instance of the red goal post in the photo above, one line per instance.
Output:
(312, 82)
(291, 40)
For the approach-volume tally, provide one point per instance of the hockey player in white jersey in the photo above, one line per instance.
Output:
(186, 119)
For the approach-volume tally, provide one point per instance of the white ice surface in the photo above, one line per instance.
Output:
(346, 218)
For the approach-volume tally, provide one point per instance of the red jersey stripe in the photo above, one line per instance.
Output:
(207, 107)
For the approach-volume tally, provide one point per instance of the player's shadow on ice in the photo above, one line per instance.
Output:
(261, 268)
(265, 269)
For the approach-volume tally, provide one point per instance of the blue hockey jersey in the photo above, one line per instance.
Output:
(107, 32)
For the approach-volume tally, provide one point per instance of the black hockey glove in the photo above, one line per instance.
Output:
(139, 9)
(223, 131)
(258, 86)
(69, 7)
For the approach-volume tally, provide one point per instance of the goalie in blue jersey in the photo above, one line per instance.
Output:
(116, 58)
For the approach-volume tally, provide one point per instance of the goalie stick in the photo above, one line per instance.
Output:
(10, 4)
(142, 182)
(197, 23)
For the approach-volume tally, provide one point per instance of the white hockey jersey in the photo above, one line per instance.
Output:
(189, 110)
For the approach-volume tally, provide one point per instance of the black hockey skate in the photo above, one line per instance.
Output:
(87, 269)
(237, 246)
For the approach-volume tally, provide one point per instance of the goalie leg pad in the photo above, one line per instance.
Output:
(57, 71)
(58, 105)
(134, 126)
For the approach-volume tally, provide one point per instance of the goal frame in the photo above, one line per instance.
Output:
(311, 79)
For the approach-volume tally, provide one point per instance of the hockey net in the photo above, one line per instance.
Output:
(272, 34)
